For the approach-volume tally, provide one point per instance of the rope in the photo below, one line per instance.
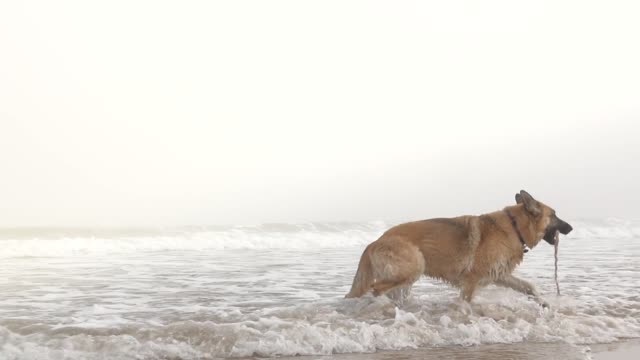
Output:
(556, 239)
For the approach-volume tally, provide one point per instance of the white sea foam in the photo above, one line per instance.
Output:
(344, 326)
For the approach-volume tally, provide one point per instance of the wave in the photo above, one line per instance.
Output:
(343, 326)
(70, 242)
(606, 228)
(57, 242)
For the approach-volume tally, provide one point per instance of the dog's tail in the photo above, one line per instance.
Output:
(364, 277)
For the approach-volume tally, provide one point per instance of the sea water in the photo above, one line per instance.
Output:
(277, 290)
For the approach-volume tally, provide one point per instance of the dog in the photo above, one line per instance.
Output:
(468, 252)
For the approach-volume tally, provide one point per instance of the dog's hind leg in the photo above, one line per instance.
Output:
(396, 265)
(387, 264)
(468, 289)
(393, 288)
(363, 279)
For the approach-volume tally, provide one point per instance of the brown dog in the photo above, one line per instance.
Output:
(467, 251)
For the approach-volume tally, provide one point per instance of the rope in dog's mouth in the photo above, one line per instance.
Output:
(556, 241)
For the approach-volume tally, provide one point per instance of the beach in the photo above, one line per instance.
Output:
(277, 290)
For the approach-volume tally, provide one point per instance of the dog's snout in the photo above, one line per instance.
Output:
(566, 228)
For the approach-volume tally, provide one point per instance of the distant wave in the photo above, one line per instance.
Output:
(60, 242)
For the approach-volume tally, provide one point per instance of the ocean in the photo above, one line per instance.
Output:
(277, 290)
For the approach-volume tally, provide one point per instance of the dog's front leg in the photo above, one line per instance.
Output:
(522, 286)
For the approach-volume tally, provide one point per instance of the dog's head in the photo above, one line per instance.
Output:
(546, 220)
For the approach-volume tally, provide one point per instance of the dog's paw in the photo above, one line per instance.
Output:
(539, 301)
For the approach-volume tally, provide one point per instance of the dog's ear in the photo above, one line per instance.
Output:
(530, 204)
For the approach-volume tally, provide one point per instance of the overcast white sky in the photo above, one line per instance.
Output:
(138, 113)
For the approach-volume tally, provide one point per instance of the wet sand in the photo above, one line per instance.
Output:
(624, 350)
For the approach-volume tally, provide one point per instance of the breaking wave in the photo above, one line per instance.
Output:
(65, 242)
(344, 326)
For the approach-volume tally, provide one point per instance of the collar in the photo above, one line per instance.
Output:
(525, 248)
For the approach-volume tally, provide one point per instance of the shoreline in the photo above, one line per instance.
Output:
(628, 349)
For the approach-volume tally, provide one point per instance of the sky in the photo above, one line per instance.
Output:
(164, 113)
